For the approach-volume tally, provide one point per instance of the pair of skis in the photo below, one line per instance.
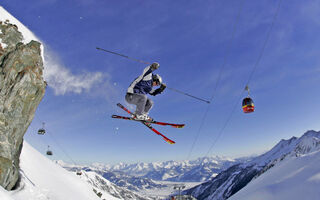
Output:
(148, 123)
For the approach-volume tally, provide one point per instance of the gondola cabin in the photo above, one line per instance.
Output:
(49, 153)
(247, 105)
(41, 131)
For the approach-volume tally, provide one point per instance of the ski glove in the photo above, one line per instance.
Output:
(163, 86)
(154, 66)
(159, 90)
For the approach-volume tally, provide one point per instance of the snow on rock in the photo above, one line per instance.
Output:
(27, 34)
(42, 179)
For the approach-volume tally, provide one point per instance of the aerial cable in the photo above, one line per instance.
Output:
(55, 141)
(61, 148)
(144, 62)
(225, 124)
(265, 43)
(247, 88)
(227, 55)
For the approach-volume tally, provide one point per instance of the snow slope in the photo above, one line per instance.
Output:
(294, 178)
(104, 186)
(236, 178)
(42, 179)
(4, 194)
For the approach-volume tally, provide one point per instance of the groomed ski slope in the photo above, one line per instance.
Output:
(294, 178)
(42, 179)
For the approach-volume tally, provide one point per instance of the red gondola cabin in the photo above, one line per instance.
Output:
(247, 105)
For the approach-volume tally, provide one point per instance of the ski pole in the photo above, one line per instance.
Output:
(144, 62)
(137, 60)
(188, 94)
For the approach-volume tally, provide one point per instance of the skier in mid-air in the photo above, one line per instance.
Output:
(140, 87)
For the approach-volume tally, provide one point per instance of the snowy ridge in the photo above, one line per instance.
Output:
(230, 181)
(118, 178)
(294, 178)
(104, 187)
(43, 179)
(305, 144)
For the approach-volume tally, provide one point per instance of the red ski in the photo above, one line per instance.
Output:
(147, 124)
(152, 122)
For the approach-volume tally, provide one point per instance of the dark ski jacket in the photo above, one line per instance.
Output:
(142, 84)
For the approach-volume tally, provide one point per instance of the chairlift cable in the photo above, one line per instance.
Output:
(61, 148)
(251, 75)
(227, 55)
(57, 143)
(265, 43)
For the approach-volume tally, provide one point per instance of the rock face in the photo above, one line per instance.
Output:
(21, 90)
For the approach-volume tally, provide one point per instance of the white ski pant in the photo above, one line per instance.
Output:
(143, 103)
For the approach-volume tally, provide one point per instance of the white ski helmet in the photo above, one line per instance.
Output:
(157, 78)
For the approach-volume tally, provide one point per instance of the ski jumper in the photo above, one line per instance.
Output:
(138, 90)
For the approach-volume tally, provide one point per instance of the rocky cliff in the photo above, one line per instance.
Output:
(21, 90)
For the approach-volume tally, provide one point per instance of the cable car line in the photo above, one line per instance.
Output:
(250, 77)
(225, 124)
(265, 43)
(61, 148)
(49, 152)
(227, 55)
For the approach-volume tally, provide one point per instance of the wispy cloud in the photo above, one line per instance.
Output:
(63, 81)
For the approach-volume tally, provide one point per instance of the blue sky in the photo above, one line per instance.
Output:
(191, 40)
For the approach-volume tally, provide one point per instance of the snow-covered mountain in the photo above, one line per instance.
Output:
(294, 178)
(230, 181)
(103, 186)
(198, 170)
(43, 179)
(121, 179)
(132, 183)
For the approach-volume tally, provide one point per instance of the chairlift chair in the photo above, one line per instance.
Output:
(42, 131)
(49, 153)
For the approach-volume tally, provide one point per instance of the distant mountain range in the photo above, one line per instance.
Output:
(231, 180)
(138, 176)
(197, 170)
(222, 177)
